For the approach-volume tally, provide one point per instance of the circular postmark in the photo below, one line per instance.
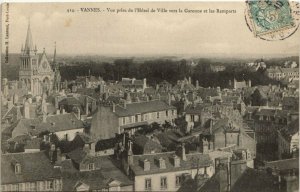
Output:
(272, 19)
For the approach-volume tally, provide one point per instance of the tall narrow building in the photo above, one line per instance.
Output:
(35, 71)
(57, 77)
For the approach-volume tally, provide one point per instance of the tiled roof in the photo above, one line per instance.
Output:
(141, 141)
(34, 143)
(77, 155)
(60, 122)
(191, 162)
(97, 179)
(106, 144)
(142, 107)
(255, 180)
(285, 164)
(53, 123)
(290, 101)
(34, 167)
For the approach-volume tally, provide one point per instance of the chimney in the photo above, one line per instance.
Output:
(205, 146)
(26, 110)
(130, 154)
(147, 98)
(18, 113)
(10, 104)
(15, 98)
(93, 149)
(78, 113)
(190, 80)
(144, 83)
(176, 161)
(124, 104)
(158, 95)
(197, 84)
(146, 165)
(169, 99)
(63, 111)
(56, 102)
(182, 152)
(51, 152)
(114, 107)
(57, 112)
(58, 155)
(211, 126)
(86, 106)
(44, 118)
(157, 87)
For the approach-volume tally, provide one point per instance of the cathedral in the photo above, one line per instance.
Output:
(36, 74)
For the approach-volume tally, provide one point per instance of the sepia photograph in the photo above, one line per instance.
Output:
(150, 96)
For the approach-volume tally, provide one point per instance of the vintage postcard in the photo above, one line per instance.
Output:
(150, 96)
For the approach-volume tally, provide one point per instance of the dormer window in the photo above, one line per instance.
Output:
(17, 168)
(162, 163)
(176, 161)
(146, 165)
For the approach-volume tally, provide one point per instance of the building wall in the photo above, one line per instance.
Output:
(139, 184)
(105, 124)
(159, 117)
(34, 186)
(219, 140)
(283, 145)
(232, 138)
(249, 143)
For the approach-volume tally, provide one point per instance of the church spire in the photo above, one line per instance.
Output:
(54, 56)
(28, 43)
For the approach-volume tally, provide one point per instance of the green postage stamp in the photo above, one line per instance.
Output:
(272, 19)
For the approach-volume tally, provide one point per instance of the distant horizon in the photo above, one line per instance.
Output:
(189, 56)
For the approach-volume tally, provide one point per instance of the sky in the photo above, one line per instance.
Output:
(210, 34)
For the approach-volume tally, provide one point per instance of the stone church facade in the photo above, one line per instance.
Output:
(36, 73)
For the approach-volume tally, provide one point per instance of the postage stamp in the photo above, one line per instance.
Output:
(272, 19)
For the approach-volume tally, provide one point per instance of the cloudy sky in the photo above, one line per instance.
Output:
(136, 33)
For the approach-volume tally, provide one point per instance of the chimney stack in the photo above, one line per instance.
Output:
(86, 106)
(58, 155)
(114, 107)
(182, 152)
(26, 110)
(124, 104)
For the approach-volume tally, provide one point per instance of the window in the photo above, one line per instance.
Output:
(167, 113)
(157, 115)
(173, 112)
(136, 118)
(178, 180)
(17, 168)
(192, 118)
(91, 166)
(148, 184)
(124, 122)
(163, 182)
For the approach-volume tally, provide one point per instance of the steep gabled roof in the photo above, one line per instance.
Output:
(34, 167)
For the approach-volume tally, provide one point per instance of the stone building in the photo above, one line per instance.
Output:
(36, 73)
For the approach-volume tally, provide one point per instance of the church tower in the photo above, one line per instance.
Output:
(57, 77)
(35, 73)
